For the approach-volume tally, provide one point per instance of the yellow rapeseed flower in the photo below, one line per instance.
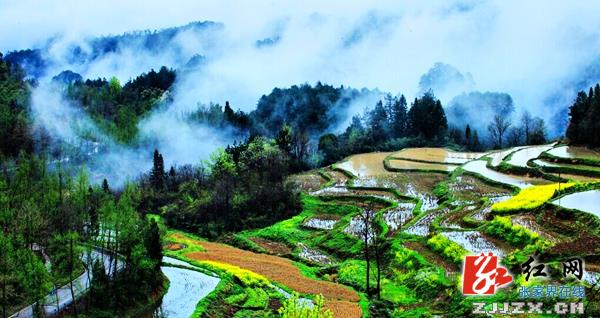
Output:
(530, 198)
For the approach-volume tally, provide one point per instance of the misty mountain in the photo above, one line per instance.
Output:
(476, 109)
(312, 109)
(170, 41)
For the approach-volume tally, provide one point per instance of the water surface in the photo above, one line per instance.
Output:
(587, 201)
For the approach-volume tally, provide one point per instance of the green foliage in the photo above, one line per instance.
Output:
(117, 109)
(584, 121)
(223, 195)
(426, 117)
(447, 248)
(515, 234)
(293, 308)
(15, 121)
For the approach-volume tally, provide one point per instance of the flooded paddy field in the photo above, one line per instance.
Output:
(322, 222)
(308, 181)
(439, 155)
(475, 242)
(397, 217)
(572, 152)
(414, 165)
(479, 166)
(498, 156)
(187, 287)
(470, 188)
(365, 165)
(520, 157)
(587, 201)
(423, 226)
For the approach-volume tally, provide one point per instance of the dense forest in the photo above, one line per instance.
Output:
(117, 108)
(54, 223)
(240, 187)
(584, 124)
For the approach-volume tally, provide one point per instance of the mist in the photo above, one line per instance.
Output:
(530, 51)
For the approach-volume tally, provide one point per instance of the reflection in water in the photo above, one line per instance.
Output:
(479, 166)
(586, 201)
(521, 157)
(574, 152)
(364, 165)
(473, 241)
(187, 287)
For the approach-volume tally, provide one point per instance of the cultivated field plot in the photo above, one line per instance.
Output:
(588, 201)
(571, 152)
(520, 157)
(498, 156)
(454, 215)
(414, 165)
(308, 181)
(365, 165)
(436, 155)
(479, 167)
(279, 270)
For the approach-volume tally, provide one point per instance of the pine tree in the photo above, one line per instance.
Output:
(398, 117)
(105, 186)
(157, 175)
(153, 244)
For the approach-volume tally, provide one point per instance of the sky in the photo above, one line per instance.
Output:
(524, 48)
(532, 50)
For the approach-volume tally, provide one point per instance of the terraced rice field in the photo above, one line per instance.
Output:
(308, 181)
(436, 155)
(571, 152)
(498, 156)
(474, 242)
(325, 234)
(479, 166)
(341, 299)
(520, 157)
(588, 201)
(365, 165)
(414, 165)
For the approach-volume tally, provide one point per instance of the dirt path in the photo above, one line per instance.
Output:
(342, 300)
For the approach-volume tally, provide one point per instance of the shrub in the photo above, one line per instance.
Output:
(293, 308)
(513, 233)
(447, 248)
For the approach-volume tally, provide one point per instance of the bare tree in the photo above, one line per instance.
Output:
(498, 128)
(374, 248)
(527, 126)
(366, 233)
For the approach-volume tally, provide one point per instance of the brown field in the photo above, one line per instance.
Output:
(341, 299)
(174, 246)
(271, 246)
(364, 165)
(440, 155)
(414, 165)
(339, 179)
(308, 181)
(470, 188)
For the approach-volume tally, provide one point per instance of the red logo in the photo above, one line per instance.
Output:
(481, 275)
